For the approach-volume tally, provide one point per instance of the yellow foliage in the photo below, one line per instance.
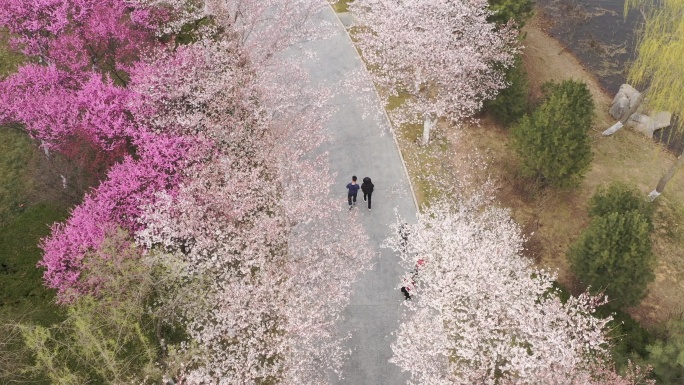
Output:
(660, 51)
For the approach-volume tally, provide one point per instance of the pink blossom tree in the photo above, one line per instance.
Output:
(83, 50)
(482, 313)
(54, 104)
(443, 53)
(115, 204)
(79, 35)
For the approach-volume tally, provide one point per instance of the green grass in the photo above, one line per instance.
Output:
(25, 216)
(425, 164)
(20, 279)
(9, 60)
(341, 6)
(16, 156)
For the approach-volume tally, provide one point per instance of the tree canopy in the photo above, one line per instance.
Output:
(442, 53)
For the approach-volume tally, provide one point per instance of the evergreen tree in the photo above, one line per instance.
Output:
(511, 103)
(621, 198)
(614, 255)
(553, 143)
(667, 356)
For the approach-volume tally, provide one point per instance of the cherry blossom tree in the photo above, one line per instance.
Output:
(442, 53)
(263, 27)
(280, 267)
(482, 313)
(275, 294)
(54, 105)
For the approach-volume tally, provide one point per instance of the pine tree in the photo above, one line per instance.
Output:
(614, 255)
(552, 143)
(511, 103)
(667, 356)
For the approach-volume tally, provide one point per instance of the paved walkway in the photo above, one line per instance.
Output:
(362, 147)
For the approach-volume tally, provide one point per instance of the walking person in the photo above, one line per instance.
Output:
(367, 188)
(410, 282)
(352, 190)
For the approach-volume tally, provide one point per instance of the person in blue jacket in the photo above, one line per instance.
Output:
(353, 189)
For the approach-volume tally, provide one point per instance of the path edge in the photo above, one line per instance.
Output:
(384, 111)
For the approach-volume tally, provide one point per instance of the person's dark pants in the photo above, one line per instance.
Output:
(349, 198)
(367, 196)
(405, 292)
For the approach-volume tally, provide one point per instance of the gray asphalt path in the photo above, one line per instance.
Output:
(363, 147)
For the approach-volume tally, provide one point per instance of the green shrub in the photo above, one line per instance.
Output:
(629, 339)
(667, 356)
(619, 197)
(511, 103)
(114, 336)
(505, 10)
(614, 255)
(553, 143)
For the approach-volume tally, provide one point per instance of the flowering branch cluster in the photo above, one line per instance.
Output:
(443, 53)
(481, 312)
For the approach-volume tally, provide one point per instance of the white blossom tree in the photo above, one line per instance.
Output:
(274, 265)
(481, 313)
(263, 27)
(443, 53)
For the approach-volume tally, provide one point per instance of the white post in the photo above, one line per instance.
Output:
(612, 129)
(427, 126)
(45, 148)
(652, 196)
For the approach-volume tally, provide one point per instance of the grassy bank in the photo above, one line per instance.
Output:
(25, 215)
(557, 217)
(31, 199)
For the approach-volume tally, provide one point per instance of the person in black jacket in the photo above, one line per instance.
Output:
(367, 188)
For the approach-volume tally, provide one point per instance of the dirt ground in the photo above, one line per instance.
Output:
(553, 219)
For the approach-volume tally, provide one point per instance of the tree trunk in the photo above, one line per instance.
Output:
(625, 117)
(45, 148)
(418, 80)
(427, 127)
(666, 178)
